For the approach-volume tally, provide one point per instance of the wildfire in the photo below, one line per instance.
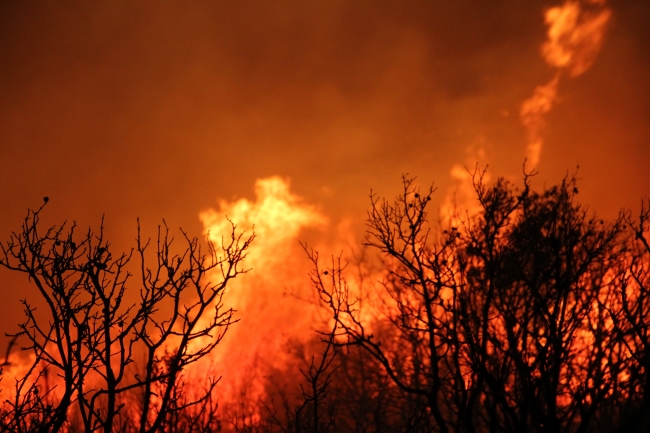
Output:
(575, 34)
(278, 315)
(277, 216)
(277, 306)
(461, 197)
(273, 298)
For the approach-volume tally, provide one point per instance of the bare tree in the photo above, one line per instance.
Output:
(507, 322)
(91, 332)
(631, 318)
(421, 282)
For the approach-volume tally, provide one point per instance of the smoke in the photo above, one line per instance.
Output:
(575, 34)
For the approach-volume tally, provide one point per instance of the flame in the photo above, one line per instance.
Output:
(575, 35)
(532, 115)
(576, 31)
(277, 217)
(260, 344)
(460, 200)
(275, 295)
(14, 369)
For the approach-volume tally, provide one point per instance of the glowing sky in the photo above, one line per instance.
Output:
(158, 109)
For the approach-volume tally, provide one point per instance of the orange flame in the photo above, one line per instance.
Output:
(575, 36)
(576, 31)
(532, 115)
(460, 199)
(279, 270)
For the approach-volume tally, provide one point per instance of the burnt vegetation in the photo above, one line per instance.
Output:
(531, 316)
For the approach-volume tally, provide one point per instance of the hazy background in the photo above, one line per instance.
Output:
(157, 109)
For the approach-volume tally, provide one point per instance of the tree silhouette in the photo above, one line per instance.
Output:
(538, 269)
(88, 335)
(531, 316)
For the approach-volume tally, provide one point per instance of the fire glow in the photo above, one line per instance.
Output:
(279, 312)
(269, 300)
(576, 31)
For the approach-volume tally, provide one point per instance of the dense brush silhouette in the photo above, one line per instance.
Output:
(531, 316)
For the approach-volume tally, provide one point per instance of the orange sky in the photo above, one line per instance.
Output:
(158, 109)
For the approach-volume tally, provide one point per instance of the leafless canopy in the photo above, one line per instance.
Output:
(104, 313)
